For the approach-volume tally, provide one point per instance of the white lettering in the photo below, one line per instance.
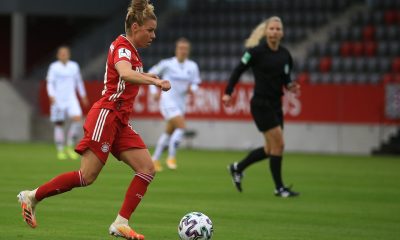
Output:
(291, 104)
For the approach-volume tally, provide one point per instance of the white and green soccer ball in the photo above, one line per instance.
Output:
(195, 226)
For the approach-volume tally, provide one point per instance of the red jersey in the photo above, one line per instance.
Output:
(119, 95)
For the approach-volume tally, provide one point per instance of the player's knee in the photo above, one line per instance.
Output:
(89, 178)
(148, 169)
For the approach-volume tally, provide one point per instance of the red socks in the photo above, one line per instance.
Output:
(135, 193)
(65, 182)
(60, 184)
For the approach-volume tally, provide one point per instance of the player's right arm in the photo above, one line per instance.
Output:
(234, 79)
(125, 71)
(50, 82)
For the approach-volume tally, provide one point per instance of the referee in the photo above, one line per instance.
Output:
(271, 65)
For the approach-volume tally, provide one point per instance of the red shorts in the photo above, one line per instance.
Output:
(104, 132)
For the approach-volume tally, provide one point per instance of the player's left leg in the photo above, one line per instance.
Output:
(140, 161)
(274, 137)
(75, 129)
(178, 122)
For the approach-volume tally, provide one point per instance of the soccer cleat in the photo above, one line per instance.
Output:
(285, 192)
(71, 153)
(28, 208)
(61, 155)
(236, 176)
(157, 166)
(124, 231)
(171, 163)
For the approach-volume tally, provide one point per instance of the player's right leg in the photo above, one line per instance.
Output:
(57, 117)
(140, 161)
(162, 143)
(178, 123)
(89, 170)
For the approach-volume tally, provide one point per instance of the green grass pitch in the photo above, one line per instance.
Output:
(342, 197)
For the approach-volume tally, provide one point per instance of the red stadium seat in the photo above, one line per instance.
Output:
(368, 33)
(396, 65)
(387, 78)
(346, 49)
(325, 64)
(303, 78)
(358, 49)
(370, 49)
(390, 17)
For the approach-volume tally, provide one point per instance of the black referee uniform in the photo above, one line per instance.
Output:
(271, 71)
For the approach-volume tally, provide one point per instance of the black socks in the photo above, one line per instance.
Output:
(275, 165)
(254, 156)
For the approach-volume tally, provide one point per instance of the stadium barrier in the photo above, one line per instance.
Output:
(323, 118)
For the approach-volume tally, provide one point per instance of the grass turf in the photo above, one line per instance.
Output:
(342, 197)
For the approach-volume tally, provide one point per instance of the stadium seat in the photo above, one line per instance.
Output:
(360, 65)
(371, 65)
(374, 78)
(357, 49)
(336, 64)
(394, 49)
(334, 49)
(325, 64)
(383, 64)
(382, 49)
(349, 78)
(347, 65)
(337, 78)
(346, 49)
(368, 33)
(390, 17)
(396, 65)
(313, 64)
(303, 78)
(355, 34)
(370, 49)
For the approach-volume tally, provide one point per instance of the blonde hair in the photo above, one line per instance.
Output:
(138, 12)
(182, 40)
(259, 32)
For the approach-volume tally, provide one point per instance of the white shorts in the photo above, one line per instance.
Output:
(59, 113)
(171, 112)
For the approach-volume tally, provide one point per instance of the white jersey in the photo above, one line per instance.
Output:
(182, 76)
(63, 80)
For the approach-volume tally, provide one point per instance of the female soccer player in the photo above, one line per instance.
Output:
(184, 76)
(271, 64)
(63, 79)
(107, 128)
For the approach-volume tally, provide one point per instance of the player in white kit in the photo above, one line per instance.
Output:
(184, 77)
(63, 79)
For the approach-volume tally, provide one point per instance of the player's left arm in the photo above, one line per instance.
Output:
(81, 87)
(290, 85)
(196, 80)
(125, 71)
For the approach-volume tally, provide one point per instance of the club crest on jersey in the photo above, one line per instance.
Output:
(105, 147)
(123, 52)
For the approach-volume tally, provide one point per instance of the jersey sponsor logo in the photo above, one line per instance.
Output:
(286, 68)
(123, 52)
(246, 58)
(105, 147)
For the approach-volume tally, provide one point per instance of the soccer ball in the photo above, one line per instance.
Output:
(195, 226)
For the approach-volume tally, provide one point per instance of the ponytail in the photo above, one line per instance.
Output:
(259, 32)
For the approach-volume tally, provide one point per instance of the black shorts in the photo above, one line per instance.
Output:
(266, 114)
